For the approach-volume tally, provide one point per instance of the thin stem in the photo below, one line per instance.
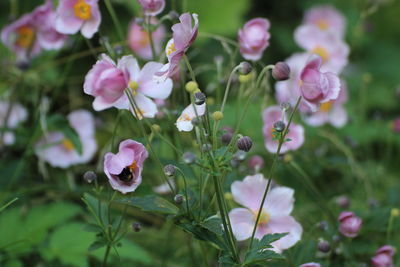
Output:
(228, 86)
(114, 18)
(186, 192)
(192, 75)
(106, 255)
(150, 33)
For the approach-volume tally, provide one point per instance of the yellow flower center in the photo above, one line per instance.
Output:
(25, 36)
(171, 49)
(133, 166)
(82, 10)
(134, 86)
(323, 24)
(67, 144)
(325, 107)
(264, 217)
(319, 50)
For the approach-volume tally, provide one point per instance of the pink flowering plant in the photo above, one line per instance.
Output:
(199, 133)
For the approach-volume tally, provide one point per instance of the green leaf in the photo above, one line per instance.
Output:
(96, 245)
(267, 240)
(213, 224)
(152, 204)
(204, 234)
(98, 210)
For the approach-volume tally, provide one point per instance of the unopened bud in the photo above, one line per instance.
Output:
(343, 201)
(281, 71)
(285, 106)
(226, 138)
(191, 86)
(323, 225)
(206, 147)
(199, 98)
(244, 143)
(156, 128)
(217, 116)
(245, 68)
(256, 163)
(324, 246)
(169, 170)
(136, 226)
(189, 157)
(395, 212)
(89, 176)
(279, 126)
(178, 199)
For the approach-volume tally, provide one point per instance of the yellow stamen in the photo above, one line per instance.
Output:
(264, 217)
(184, 117)
(134, 86)
(325, 107)
(322, 52)
(25, 36)
(139, 113)
(323, 24)
(133, 166)
(82, 10)
(67, 144)
(171, 49)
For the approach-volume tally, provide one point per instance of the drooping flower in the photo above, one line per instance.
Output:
(184, 122)
(152, 7)
(139, 41)
(275, 216)
(318, 87)
(326, 18)
(183, 36)
(107, 81)
(254, 38)
(124, 169)
(350, 224)
(383, 257)
(332, 112)
(59, 151)
(11, 114)
(78, 15)
(331, 48)
(295, 134)
(310, 264)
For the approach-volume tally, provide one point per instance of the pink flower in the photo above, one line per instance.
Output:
(184, 122)
(310, 264)
(396, 125)
(332, 49)
(275, 216)
(139, 41)
(383, 257)
(10, 117)
(296, 132)
(152, 7)
(256, 163)
(331, 112)
(124, 169)
(59, 151)
(164, 188)
(33, 32)
(78, 15)
(253, 38)
(107, 81)
(350, 224)
(318, 87)
(326, 18)
(183, 36)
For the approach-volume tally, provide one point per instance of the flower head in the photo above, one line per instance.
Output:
(383, 257)
(124, 169)
(254, 38)
(152, 7)
(326, 18)
(350, 224)
(11, 114)
(184, 122)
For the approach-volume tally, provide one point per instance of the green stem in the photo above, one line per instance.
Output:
(115, 19)
(192, 75)
(228, 87)
(106, 255)
(186, 193)
(149, 32)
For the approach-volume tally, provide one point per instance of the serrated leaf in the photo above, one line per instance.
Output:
(213, 224)
(267, 240)
(254, 256)
(151, 203)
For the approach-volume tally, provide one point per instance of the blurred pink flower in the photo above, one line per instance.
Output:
(253, 38)
(183, 36)
(10, 117)
(78, 15)
(59, 151)
(326, 18)
(184, 122)
(296, 132)
(310, 264)
(383, 257)
(139, 41)
(350, 224)
(331, 48)
(318, 87)
(332, 112)
(124, 169)
(152, 7)
(256, 163)
(275, 216)
(107, 81)
(33, 32)
(396, 125)
(164, 188)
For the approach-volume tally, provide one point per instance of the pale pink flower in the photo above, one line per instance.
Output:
(164, 188)
(78, 15)
(295, 134)
(318, 87)
(152, 7)
(350, 224)
(183, 36)
(383, 257)
(275, 216)
(310, 264)
(184, 122)
(332, 112)
(254, 38)
(139, 41)
(331, 48)
(10, 117)
(56, 149)
(124, 169)
(256, 163)
(326, 18)
(396, 125)
(107, 82)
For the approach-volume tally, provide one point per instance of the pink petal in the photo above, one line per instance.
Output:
(249, 192)
(66, 21)
(242, 221)
(279, 201)
(147, 107)
(91, 26)
(285, 224)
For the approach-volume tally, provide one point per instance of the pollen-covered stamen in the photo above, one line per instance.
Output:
(322, 24)
(322, 52)
(264, 217)
(82, 10)
(25, 36)
(171, 49)
(325, 107)
(184, 117)
(134, 86)
(67, 144)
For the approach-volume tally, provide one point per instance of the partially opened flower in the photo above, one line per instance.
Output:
(326, 18)
(183, 36)
(254, 38)
(139, 41)
(318, 87)
(78, 15)
(350, 224)
(184, 122)
(124, 169)
(152, 7)
(59, 151)
(275, 215)
(296, 132)
(11, 114)
(383, 257)
(331, 48)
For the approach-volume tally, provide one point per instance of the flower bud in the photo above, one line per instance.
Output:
(156, 128)
(383, 257)
(279, 126)
(178, 199)
(217, 116)
(285, 106)
(324, 246)
(245, 78)
(191, 86)
(189, 157)
(226, 138)
(169, 170)
(256, 163)
(244, 143)
(206, 147)
(343, 201)
(323, 225)
(281, 71)
(395, 212)
(152, 7)
(239, 155)
(89, 176)
(118, 49)
(199, 98)
(136, 226)
(350, 224)
(245, 68)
